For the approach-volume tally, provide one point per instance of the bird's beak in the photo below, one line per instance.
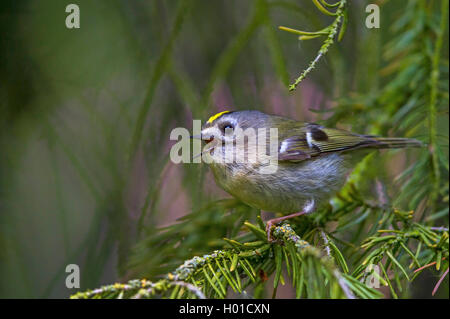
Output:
(206, 138)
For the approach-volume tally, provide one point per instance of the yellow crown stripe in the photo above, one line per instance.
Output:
(215, 117)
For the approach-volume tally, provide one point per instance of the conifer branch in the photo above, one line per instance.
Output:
(330, 32)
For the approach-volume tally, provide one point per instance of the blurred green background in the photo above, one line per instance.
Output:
(85, 118)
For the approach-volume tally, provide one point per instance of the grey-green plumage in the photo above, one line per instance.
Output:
(313, 161)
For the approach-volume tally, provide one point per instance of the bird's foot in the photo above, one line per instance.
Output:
(269, 225)
(275, 221)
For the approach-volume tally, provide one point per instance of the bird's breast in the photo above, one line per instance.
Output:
(288, 188)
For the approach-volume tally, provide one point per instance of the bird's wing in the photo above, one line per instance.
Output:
(311, 140)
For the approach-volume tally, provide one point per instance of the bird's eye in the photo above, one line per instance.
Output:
(227, 126)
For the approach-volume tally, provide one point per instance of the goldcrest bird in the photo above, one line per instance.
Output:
(313, 161)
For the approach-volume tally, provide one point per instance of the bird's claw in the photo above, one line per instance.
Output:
(270, 238)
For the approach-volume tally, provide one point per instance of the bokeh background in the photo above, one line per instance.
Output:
(85, 118)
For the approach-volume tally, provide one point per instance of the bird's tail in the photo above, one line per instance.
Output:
(394, 142)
